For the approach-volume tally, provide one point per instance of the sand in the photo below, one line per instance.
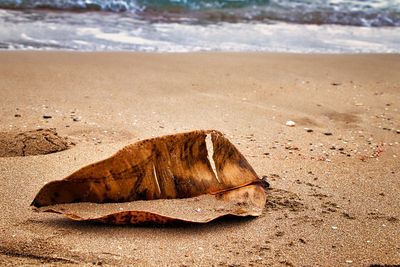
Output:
(334, 197)
(33, 142)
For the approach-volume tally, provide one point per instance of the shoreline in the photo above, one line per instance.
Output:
(334, 189)
(101, 32)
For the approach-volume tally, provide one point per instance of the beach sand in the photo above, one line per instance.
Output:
(334, 197)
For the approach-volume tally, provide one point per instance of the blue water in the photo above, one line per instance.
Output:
(201, 25)
(344, 12)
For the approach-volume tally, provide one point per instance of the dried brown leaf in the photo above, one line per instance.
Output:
(174, 172)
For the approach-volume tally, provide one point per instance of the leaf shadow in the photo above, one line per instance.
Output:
(183, 227)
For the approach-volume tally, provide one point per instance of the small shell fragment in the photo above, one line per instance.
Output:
(290, 123)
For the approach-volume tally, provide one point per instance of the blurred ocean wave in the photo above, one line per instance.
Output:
(367, 13)
(327, 26)
(97, 31)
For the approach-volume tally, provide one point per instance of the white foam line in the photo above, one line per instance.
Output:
(210, 151)
(156, 179)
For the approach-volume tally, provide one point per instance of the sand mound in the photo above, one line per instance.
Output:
(36, 142)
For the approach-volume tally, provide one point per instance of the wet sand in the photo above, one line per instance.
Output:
(334, 176)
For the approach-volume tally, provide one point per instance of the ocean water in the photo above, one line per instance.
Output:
(327, 26)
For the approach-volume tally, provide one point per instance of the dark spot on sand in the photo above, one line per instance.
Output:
(346, 118)
(348, 216)
(392, 219)
(279, 233)
(280, 199)
(305, 121)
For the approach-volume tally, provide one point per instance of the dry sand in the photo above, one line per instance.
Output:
(335, 191)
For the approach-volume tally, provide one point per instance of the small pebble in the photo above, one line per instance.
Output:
(290, 123)
(334, 227)
(308, 130)
(349, 261)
